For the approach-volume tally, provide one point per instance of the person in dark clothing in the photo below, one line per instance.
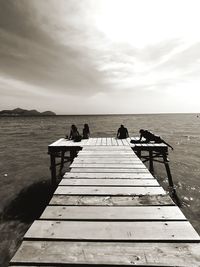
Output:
(122, 132)
(150, 137)
(74, 134)
(86, 132)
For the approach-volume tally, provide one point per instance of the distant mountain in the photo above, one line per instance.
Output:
(25, 112)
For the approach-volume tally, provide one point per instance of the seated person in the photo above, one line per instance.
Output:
(74, 134)
(86, 132)
(122, 132)
(150, 137)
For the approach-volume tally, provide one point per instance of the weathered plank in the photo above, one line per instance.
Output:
(110, 182)
(105, 190)
(119, 142)
(108, 147)
(107, 161)
(137, 175)
(91, 142)
(114, 142)
(116, 156)
(103, 141)
(105, 152)
(109, 142)
(83, 142)
(98, 143)
(125, 142)
(57, 143)
(137, 165)
(101, 159)
(114, 230)
(111, 170)
(112, 213)
(147, 200)
(110, 253)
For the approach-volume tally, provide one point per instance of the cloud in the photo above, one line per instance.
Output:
(31, 53)
(50, 48)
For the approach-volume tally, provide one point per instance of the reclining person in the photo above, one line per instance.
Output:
(150, 137)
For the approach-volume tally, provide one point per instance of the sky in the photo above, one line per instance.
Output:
(100, 56)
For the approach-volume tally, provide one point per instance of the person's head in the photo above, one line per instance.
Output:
(122, 126)
(141, 131)
(73, 127)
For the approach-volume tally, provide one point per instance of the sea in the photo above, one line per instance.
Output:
(24, 159)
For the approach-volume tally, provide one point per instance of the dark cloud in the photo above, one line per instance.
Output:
(30, 54)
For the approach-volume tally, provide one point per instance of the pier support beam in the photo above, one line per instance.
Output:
(151, 168)
(169, 176)
(53, 168)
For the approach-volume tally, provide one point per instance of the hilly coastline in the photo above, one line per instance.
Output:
(25, 112)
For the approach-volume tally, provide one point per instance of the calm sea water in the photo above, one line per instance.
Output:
(24, 159)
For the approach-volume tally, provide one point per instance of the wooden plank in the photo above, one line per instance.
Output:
(125, 142)
(108, 253)
(65, 142)
(147, 175)
(119, 142)
(109, 165)
(111, 170)
(109, 142)
(106, 160)
(114, 142)
(57, 143)
(98, 143)
(110, 182)
(106, 151)
(113, 163)
(108, 156)
(103, 141)
(91, 142)
(107, 148)
(105, 190)
(114, 230)
(110, 152)
(112, 213)
(84, 142)
(148, 200)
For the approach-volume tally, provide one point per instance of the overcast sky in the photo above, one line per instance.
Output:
(100, 56)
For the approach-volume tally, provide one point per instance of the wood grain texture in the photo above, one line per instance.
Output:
(127, 231)
(110, 253)
(115, 175)
(109, 182)
(111, 170)
(102, 160)
(144, 200)
(149, 213)
(105, 190)
(137, 165)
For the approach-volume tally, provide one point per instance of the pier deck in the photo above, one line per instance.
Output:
(109, 210)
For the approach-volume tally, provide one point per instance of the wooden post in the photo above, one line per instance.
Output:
(53, 168)
(169, 176)
(151, 168)
(139, 153)
(73, 153)
(62, 162)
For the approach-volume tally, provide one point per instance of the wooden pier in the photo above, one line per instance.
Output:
(109, 211)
